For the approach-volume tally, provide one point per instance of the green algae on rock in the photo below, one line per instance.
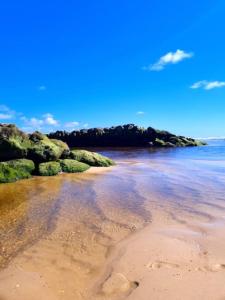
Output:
(43, 149)
(14, 143)
(73, 166)
(14, 170)
(25, 164)
(22, 155)
(63, 146)
(49, 168)
(91, 158)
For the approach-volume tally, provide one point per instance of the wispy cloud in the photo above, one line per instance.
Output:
(5, 116)
(33, 123)
(140, 113)
(169, 58)
(6, 113)
(4, 107)
(207, 85)
(46, 122)
(39, 123)
(50, 120)
(42, 88)
(71, 124)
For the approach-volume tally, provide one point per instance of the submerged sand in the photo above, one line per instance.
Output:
(139, 230)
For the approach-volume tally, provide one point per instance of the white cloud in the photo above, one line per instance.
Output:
(140, 113)
(71, 124)
(34, 123)
(198, 84)
(6, 113)
(207, 85)
(169, 58)
(5, 116)
(49, 120)
(42, 88)
(45, 123)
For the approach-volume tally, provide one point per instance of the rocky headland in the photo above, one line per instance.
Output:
(128, 135)
(23, 155)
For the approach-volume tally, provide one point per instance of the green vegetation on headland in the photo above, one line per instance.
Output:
(128, 135)
(23, 155)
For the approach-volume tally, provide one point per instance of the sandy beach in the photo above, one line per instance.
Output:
(167, 260)
(112, 150)
(140, 230)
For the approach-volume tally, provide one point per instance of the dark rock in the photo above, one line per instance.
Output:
(128, 135)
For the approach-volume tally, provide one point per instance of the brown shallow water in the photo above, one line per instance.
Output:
(59, 236)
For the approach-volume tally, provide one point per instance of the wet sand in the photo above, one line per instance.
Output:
(144, 229)
(167, 261)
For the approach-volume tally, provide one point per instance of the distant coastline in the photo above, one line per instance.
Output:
(222, 138)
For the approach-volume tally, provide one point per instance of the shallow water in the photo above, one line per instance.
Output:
(65, 227)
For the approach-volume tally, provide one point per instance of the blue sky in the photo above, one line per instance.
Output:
(76, 64)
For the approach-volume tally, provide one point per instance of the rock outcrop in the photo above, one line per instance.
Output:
(22, 155)
(14, 143)
(73, 166)
(43, 149)
(128, 135)
(14, 170)
(91, 158)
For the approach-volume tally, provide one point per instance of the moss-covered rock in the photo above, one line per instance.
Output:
(13, 142)
(43, 149)
(91, 158)
(25, 164)
(64, 147)
(73, 166)
(14, 170)
(49, 168)
(38, 147)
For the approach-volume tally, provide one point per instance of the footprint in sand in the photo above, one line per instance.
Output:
(212, 268)
(161, 264)
(117, 283)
